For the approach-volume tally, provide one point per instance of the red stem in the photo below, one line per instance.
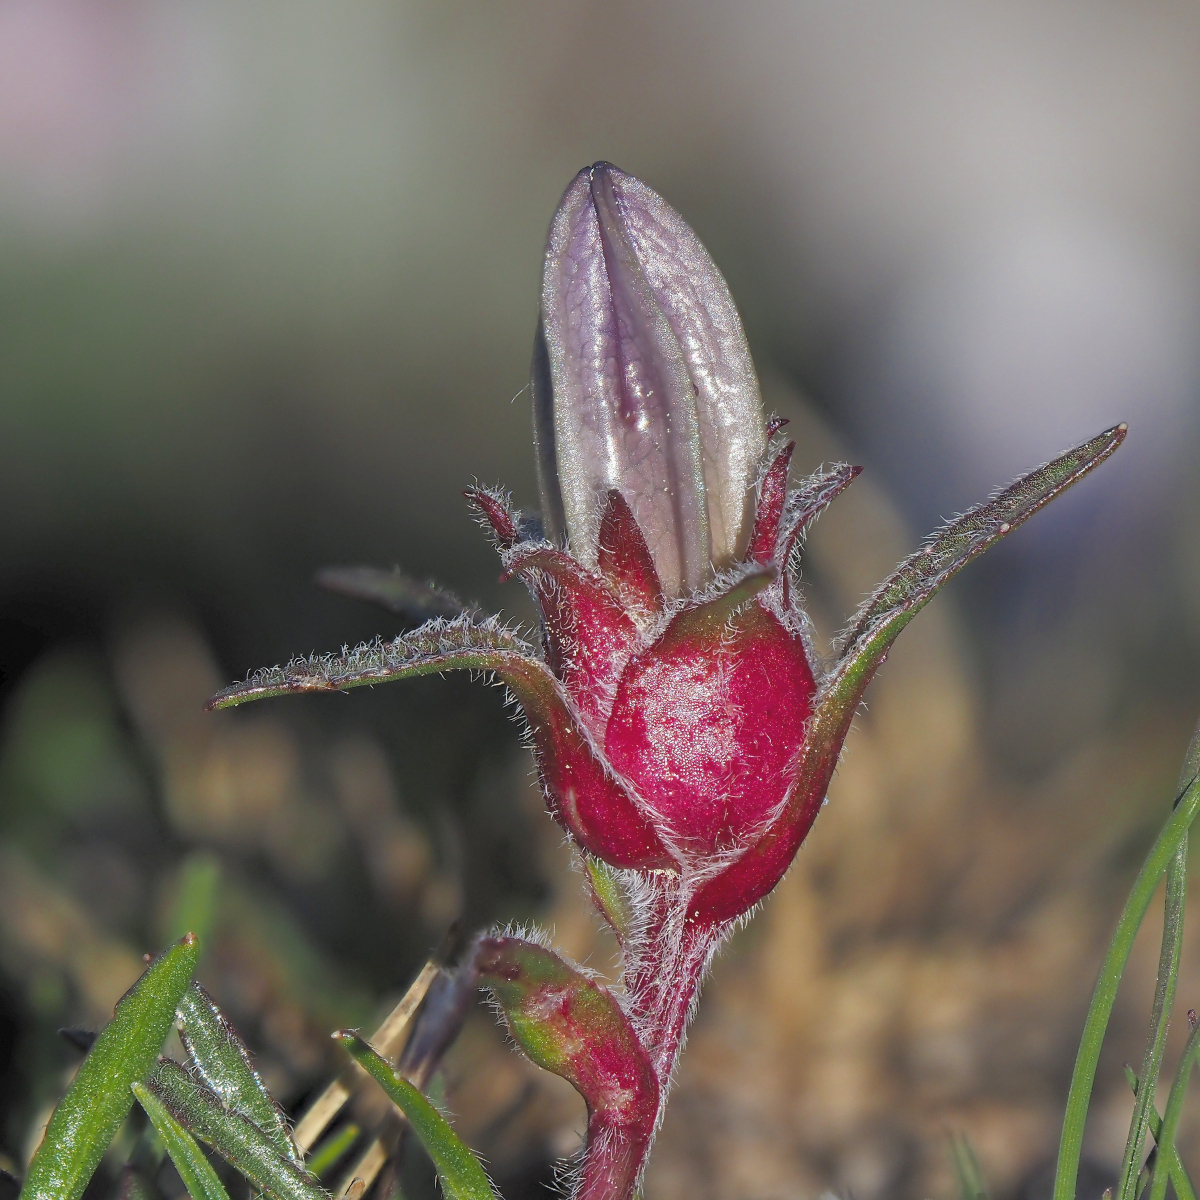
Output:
(664, 968)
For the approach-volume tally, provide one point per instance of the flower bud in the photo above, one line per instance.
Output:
(642, 382)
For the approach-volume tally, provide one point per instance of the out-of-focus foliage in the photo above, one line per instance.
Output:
(129, 813)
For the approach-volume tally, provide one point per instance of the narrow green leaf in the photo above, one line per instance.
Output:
(970, 1175)
(1105, 993)
(462, 1176)
(99, 1099)
(197, 898)
(223, 1063)
(609, 896)
(329, 1153)
(1164, 994)
(1179, 1176)
(394, 590)
(237, 1140)
(1172, 1113)
(194, 1169)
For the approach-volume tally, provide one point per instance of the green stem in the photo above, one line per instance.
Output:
(1105, 993)
(1179, 1176)
(1160, 1019)
(1171, 1115)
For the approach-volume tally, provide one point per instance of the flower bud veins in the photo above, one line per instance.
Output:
(642, 382)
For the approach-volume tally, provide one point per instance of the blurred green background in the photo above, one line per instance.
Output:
(268, 281)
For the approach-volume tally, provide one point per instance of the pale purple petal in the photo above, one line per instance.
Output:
(643, 380)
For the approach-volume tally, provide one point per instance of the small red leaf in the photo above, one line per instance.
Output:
(498, 513)
(772, 495)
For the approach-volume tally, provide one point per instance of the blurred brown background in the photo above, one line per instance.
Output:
(268, 282)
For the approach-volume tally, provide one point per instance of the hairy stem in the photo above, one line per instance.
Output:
(665, 964)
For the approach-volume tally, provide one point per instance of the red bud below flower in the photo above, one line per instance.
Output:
(570, 1024)
(642, 382)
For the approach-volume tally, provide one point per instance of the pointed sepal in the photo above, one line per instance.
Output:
(772, 496)
(732, 891)
(588, 634)
(572, 1025)
(497, 515)
(624, 558)
(587, 798)
(803, 507)
(461, 644)
(918, 579)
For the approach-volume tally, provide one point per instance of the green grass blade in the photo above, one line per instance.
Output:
(1160, 1017)
(1172, 1113)
(135, 1185)
(194, 1169)
(223, 1063)
(1164, 994)
(197, 899)
(99, 1099)
(237, 1140)
(329, 1153)
(1105, 992)
(1181, 1180)
(461, 1174)
(970, 1175)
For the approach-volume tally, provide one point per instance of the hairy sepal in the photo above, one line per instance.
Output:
(624, 558)
(772, 496)
(586, 796)
(588, 634)
(950, 548)
(804, 505)
(572, 1025)
(756, 872)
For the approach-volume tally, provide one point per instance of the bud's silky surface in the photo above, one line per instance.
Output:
(642, 382)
